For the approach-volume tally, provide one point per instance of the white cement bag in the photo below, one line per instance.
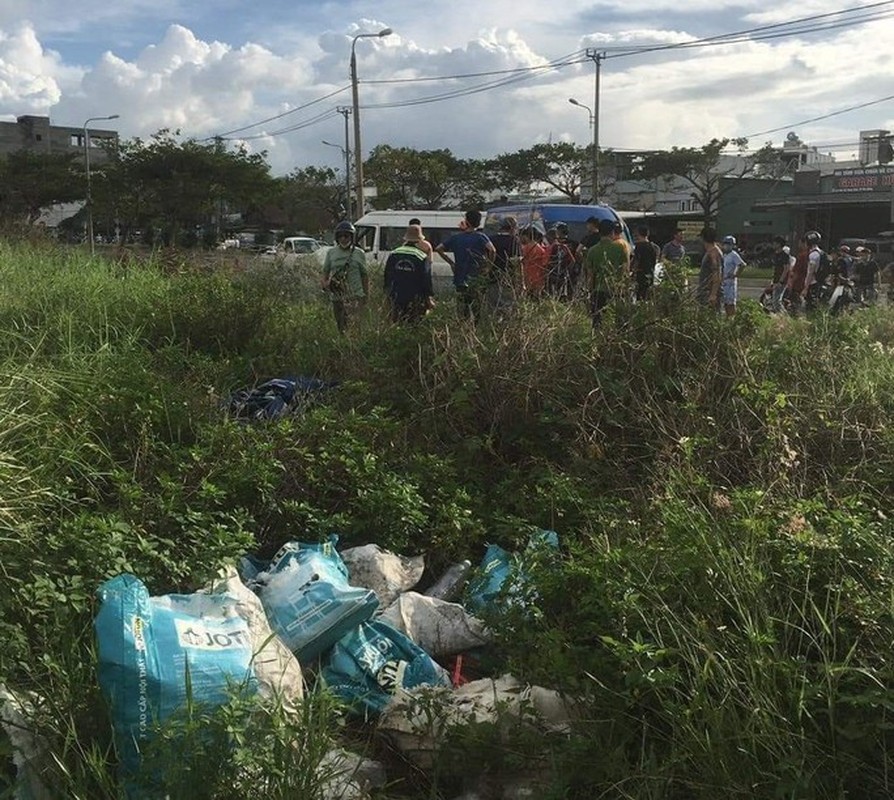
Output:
(438, 627)
(417, 727)
(277, 670)
(386, 573)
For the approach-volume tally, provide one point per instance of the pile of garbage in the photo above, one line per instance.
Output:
(349, 616)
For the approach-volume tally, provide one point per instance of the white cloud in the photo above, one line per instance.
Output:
(31, 78)
(211, 84)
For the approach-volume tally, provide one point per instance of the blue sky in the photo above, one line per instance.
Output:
(210, 67)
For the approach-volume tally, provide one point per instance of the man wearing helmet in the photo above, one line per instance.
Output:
(345, 276)
(815, 260)
(732, 266)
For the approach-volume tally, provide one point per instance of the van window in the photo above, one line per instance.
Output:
(366, 236)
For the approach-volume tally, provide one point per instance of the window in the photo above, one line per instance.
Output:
(38, 137)
(76, 140)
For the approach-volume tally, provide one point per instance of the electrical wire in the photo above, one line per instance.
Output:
(322, 117)
(470, 90)
(422, 79)
(824, 116)
(746, 34)
(280, 116)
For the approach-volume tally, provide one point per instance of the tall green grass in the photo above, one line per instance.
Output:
(721, 605)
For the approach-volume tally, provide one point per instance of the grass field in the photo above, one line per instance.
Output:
(721, 604)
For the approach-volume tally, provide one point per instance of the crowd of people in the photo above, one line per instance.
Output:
(799, 280)
(491, 270)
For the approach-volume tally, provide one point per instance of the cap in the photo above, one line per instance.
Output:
(844, 248)
(786, 249)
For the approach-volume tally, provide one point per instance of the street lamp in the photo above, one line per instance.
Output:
(347, 156)
(358, 152)
(87, 170)
(592, 120)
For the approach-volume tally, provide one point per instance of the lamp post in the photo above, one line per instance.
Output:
(87, 171)
(592, 123)
(358, 152)
(346, 154)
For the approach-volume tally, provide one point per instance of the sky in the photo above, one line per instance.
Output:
(220, 67)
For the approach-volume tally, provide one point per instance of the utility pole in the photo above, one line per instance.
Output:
(596, 57)
(345, 111)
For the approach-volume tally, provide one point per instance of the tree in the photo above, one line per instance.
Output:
(177, 190)
(409, 178)
(30, 181)
(560, 165)
(704, 168)
(308, 200)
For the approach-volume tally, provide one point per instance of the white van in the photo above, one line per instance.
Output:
(379, 232)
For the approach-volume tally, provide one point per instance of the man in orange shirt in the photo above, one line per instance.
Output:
(535, 260)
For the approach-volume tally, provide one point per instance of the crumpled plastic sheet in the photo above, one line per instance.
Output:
(386, 573)
(27, 749)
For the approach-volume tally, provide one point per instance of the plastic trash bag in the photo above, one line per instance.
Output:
(386, 573)
(438, 627)
(308, 600)
(155, 653)
(498, 565)
(276, 398)
(374, 662)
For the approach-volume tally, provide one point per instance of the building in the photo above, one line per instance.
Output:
(842, 198)
(38, 135)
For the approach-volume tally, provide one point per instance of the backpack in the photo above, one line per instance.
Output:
(824, 269)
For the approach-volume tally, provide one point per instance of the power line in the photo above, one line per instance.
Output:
(280, 116)
(421, 79)
(823, 116)
(746, 34)
(470, 90)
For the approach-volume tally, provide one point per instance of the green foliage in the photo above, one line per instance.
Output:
(244, 749)
(31, 181)
(561, 165)
(170, 189)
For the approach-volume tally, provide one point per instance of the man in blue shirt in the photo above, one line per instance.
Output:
(472, 252)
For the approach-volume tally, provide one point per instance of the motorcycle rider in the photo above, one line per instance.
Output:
(817, 268)
(866, 273)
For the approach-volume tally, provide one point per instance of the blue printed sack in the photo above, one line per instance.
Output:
(308, 600)
(147, 645)
(374, 662)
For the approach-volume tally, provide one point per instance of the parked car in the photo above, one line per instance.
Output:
(292, 248)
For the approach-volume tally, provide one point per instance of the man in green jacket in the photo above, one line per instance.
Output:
(607, 270)
(345, 275)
